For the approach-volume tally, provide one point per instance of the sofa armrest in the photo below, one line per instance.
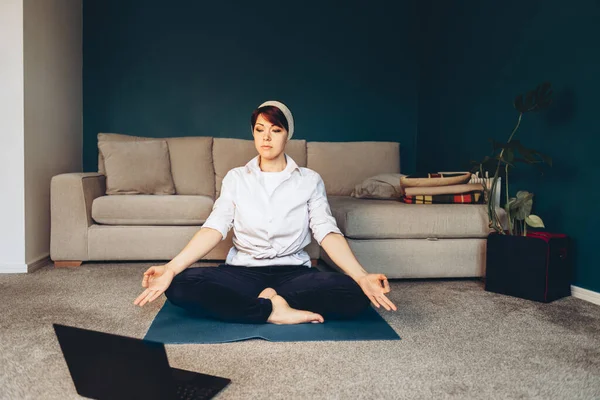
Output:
(71, 197)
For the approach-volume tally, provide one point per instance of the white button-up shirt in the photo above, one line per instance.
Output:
(272, 230)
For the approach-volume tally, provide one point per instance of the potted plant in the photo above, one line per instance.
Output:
(531, 265)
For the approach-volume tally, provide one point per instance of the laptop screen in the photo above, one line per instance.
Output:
(105, 366)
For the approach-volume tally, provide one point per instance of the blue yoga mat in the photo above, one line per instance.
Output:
(174, 325)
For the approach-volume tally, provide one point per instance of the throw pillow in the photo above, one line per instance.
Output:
(141, 167)
(436, 179)
(382, 186)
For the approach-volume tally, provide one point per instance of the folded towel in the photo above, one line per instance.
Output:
(451, 189)
(437, 179)
(475, 197)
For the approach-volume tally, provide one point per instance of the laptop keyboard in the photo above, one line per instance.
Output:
(193, 392)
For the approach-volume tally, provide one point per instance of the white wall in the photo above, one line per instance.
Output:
(40, 119)
(53, 109)
(12, 182)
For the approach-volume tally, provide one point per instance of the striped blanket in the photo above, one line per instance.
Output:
(474, 197)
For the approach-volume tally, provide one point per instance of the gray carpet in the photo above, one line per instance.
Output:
(458, 341)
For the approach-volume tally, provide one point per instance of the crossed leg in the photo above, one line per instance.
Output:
(332, 295)
(234, 294)
(229, 294)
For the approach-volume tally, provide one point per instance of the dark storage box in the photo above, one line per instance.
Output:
(534, 267)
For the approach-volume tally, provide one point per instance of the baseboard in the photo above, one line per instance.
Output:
(585, 294)
(13, 268)
(39, 263)
(25, 268)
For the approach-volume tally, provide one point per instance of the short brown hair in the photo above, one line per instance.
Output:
(271, 114)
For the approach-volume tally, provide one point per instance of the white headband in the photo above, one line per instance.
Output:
(286, 112)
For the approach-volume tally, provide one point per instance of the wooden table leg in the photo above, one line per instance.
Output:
(67, 263)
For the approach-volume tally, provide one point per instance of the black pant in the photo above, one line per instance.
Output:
(229, 292)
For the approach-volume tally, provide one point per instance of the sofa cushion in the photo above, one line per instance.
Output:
(191, 161)
(229, 153)
(392, 219)
(151, 210)
(344, 165)
(137, 167)
(419, 258)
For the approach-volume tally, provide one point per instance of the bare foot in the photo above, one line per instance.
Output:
(268, 293)
(283, 314)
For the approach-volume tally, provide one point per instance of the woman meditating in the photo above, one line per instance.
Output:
(272, 205)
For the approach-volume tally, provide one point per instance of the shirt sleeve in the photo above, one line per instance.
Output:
(320, 220)
(221, 216)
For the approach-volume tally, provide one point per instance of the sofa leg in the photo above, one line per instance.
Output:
(65, 263)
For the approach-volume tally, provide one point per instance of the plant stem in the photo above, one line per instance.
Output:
(507, 196)
(509, 140)
(493, 211)
(510, 229)
(492, 207)
(516, 127)
(524, 228)
(492, 214)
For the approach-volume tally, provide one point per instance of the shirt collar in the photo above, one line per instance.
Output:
(291, 166)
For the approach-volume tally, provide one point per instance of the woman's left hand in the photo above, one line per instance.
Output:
(371, 285)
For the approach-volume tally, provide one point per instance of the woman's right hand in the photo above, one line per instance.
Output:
(156, 280)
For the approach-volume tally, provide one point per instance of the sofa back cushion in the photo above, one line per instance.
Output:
(229, 153)
(142, 167)
(191, 162)
(343, 165)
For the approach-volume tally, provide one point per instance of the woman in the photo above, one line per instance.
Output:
(273, 205)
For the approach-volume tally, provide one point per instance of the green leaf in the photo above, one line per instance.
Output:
(547, 159)
(529, 100)
(529, 154)
(518, 103)
(544, 90)
(543, 96)
(535, 100)
(520, 208)
(509, 205)
(502, 146)
(522, 160)
(509, 156)
(487, 164)
(503, 160)
(525, 209)
(534, 221)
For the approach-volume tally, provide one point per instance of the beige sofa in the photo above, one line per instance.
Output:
(388, 236)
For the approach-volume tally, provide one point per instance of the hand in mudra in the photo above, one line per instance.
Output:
(371, 285)
(156, 280)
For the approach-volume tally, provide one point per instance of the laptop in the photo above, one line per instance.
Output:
(106, 366)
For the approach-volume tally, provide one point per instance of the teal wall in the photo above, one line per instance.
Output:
(197, 68)
(442, 73)
(475, 57)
